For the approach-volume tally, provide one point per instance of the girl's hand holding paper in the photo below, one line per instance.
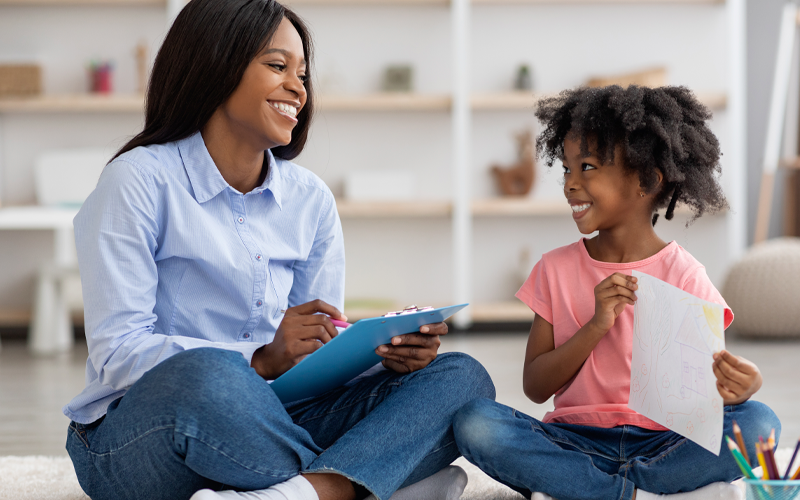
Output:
(413, 351)
(737, 378)
(301, 332)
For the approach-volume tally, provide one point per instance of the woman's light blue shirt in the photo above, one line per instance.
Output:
(173, 258)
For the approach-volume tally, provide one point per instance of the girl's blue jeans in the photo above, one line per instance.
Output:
(575, 462)
(204, 419)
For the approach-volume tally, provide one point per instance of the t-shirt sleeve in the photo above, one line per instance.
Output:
(535, 292)
(699, 285)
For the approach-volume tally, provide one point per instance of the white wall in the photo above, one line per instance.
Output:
(407, 260)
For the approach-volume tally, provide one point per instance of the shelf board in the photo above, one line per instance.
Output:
(385, 101)
(503, 101)
(499, 207)
(110, 103)
(498, 312)
(392, 209)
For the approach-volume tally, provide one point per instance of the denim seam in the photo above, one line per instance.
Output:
(660, 456)
(78, 434)
(109, 452)
(350, 404)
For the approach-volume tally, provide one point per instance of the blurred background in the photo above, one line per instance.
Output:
(424, 134)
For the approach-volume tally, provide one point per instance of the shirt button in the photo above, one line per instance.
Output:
(258, 257)
(258, 303)
(246, 335)
(241, 220)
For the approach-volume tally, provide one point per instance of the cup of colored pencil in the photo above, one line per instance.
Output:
(772, 485)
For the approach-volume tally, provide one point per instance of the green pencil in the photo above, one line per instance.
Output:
(740, 461)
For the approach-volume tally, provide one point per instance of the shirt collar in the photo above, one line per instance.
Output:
(207, 182)
(274, 180)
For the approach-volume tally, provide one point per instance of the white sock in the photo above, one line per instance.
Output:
(447, 484)
(542, 496)
(713, 491)
(296, 488)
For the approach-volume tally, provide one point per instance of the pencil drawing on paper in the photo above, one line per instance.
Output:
(672, 382)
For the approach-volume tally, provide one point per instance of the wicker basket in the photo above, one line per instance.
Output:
(20, 80)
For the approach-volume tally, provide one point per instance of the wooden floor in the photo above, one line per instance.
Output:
(33, 390)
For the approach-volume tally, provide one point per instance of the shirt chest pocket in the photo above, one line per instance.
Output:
(281, 276)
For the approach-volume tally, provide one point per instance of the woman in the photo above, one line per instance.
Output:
(206, 260)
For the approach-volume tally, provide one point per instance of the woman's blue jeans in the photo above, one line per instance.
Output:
(575, 462)
(205, 419)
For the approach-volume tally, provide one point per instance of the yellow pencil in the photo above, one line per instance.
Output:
(762, 463)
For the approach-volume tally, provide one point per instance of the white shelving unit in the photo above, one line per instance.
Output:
(466, 107)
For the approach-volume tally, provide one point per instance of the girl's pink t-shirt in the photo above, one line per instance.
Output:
(560, 289)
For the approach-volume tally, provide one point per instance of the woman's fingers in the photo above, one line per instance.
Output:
(314, 307)
(315, 324)
(434, 329)
(395, 366)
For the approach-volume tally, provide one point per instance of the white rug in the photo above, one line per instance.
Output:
(53, 478)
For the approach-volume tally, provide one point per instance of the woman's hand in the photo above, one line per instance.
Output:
(737, 378)
(301, 332)
(610, 298)
(413, 351)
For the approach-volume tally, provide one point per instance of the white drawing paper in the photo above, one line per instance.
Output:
(672, 380)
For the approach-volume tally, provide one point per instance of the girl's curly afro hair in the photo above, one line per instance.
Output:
(660, 128)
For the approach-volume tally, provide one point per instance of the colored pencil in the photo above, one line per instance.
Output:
(762, 463)
(737, 432)
(769, 457)
(771, 440)
(740, 461)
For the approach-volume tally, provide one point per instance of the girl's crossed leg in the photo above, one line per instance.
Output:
(570, 462)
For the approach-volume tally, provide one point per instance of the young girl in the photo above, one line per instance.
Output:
(626, 154)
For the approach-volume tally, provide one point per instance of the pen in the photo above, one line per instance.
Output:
(339, 323)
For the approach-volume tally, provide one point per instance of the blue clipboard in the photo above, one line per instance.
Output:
(351, 353)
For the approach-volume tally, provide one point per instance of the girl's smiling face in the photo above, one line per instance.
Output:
(602, 196)
(271, 93)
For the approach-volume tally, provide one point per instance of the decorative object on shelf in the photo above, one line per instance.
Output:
(398, 78)
(379, 185)
(524, 80)
(518, 179)
(653, 77)
(100, 77)
(141, 53)
(20, 79)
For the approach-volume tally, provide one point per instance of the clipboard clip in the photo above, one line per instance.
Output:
(408, 310)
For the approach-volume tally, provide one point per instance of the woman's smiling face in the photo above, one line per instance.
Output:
(271, 94)
(602, 195)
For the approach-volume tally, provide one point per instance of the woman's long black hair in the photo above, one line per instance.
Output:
(203, 59)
